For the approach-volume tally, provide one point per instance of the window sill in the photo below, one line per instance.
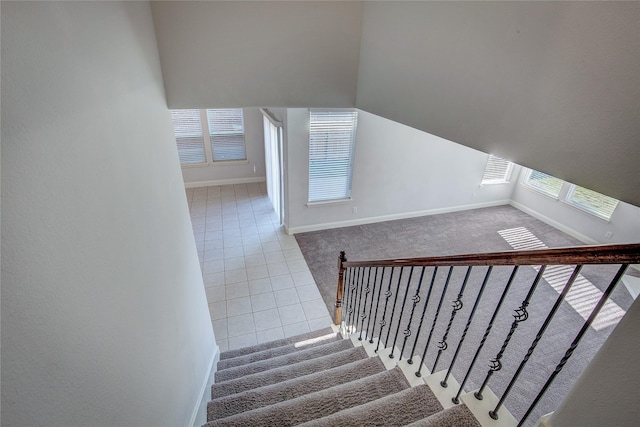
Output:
(216, 164)
(328, 202)
(482, 184)
(588, 212)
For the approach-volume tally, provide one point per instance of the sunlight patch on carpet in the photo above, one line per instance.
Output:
(583, 295)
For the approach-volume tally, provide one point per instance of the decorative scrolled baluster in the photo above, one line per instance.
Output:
(363, 311)
(494, 413)
(404, 301)
(373, 295)
(375, 316)
(605, 296)
(393, 311)
(457, 306)
(443, 383)
(352, 296)
(383, 322)
(424, 310)
(415, 299)
(456, 399)
(435, 320)
(520, 315)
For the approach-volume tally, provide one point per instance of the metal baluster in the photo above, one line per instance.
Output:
(387, 295)
(375, 316)
(373, 296)
(443, 383)
(494, 414)
(356, 303)
(416, 299)
(345, 299)
(456, 399)
(356, 295)
(457, 306)
(520, 315)
(435, 319)
(393, 310)
(352, 292)
(424, 310)
(605, 296)
(363, 316)
(404, 301)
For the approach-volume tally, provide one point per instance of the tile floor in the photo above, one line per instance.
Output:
(257, 282)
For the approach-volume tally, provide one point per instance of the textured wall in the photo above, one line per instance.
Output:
(104, 316)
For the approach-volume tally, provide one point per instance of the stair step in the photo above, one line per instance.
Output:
(277, 351)
(320, 403)
(285, 373)
(296, 387)
(396, 409)
(284, 360)
(277, 343)
(456, 416)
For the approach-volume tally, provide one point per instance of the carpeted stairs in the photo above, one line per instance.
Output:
(320, 379)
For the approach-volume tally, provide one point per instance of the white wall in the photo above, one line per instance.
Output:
(624, 224)
(398, 172)
(549, 85)
(253, 54)
(234, 172)
(104, 316)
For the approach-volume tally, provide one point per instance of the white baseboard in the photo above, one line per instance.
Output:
(198, 407)
(372, 220)
(230, 181)
(570, 231)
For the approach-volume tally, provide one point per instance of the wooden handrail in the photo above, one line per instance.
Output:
(580, 255)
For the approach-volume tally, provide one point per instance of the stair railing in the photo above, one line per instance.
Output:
(370, 292)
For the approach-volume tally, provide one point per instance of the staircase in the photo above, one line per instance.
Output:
(322, 379)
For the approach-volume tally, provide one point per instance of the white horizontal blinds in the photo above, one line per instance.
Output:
(592, 202)
(331, 143)
(547, 184)
(188, 132)
(497, 170)
(226, 130)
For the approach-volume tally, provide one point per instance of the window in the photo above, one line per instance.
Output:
(226, 132)
(188, 132)
(209, 136)
(590, 201)
(332, 137)
(497, 171)
(547, 184)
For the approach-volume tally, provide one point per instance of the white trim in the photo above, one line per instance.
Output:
(271, 117)
(570, 231)
(230, 181)
(328, 202)
(215, 357)
(371, 220)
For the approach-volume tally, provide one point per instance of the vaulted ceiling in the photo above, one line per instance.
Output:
(554, 86)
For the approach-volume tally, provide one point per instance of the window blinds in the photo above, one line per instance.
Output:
(549, 185)
(593, 202)
(497, 170)
(226, 131)
(188, 132)
(331, 145)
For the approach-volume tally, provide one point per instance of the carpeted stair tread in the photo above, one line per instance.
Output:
(397, 409)
(277, 343)
(284, 360)
(277, 351)
(296, 387)
(456, 416)
(320, 403)
(285, 373)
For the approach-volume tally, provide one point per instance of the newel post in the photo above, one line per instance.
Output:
(338, 312)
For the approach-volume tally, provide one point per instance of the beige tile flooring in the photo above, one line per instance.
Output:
(257, 282)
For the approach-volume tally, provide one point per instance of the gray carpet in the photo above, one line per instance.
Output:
(321, 403)
(273, 352)
(274, 344)
(284, 360)
(474, 231)
(457, 416)
(269, 395)
(285, 373)
(395, 410)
